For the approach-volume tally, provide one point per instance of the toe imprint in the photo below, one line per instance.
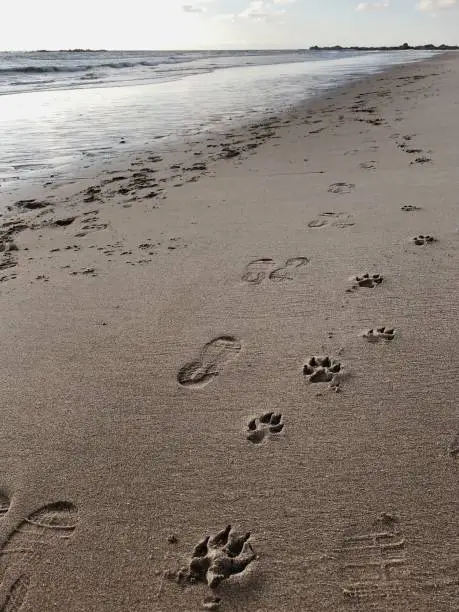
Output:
(366, 280)
(321, 370)
(217, 558)
(422, 239)
(379, 333)
(410, 208)
(258, 429)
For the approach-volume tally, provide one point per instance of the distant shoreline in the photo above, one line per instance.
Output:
(404, 47)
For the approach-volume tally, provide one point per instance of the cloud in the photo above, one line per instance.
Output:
(436, 5)
(372, 6)
(260, 10)
(189, 8)
(225, 17)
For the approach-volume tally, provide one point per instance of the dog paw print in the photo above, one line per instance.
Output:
(379, 333)
(422, 240)
(366, 280)
(410, 208)
(267, 424)
(217, 558)
(322, 370)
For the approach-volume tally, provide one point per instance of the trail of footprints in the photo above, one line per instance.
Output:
(372, 562)
(26, 543)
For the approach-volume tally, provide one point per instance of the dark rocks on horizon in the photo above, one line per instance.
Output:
(403, 47)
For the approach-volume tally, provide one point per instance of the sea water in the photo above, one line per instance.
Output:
(60, 109)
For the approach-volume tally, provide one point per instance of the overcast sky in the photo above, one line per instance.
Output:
(204, 24)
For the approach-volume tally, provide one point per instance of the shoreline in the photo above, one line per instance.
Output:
(162, 145)
(249, 267)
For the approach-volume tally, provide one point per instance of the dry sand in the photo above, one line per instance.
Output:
(144, 341)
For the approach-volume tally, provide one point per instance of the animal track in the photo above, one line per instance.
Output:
(216, 558)
(410, 208)
(366, 280)
(213, 356)
(335, 219)
(287, 271)
(321, 369)
(422, 240)
(259, 269)
(260, 428)
(41, 529)
(379, 333)
(341, 187)
(421, 160)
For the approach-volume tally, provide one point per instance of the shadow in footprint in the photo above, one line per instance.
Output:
(4, 504)
(422, 239)
(213, 356)
(217, 558)
(379, 333)
(366, 280)
(321, 370)
(410, 208)
(260, 428)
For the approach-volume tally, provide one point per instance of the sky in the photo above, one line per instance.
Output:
(225, 24)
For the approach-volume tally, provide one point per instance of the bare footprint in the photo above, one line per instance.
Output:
(41, 530)
(257, 270)
(213, 356)
(288, 271)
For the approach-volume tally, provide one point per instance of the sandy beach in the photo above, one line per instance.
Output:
(257, 331)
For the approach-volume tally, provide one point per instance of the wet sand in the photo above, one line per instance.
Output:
(258, 331)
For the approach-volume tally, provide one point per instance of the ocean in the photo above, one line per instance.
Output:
(59, 109)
